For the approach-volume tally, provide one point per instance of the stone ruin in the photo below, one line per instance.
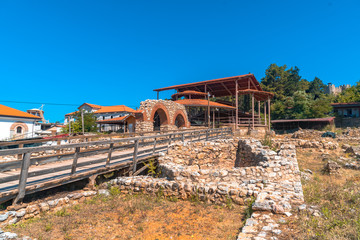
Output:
(168, 115)
(238, 170)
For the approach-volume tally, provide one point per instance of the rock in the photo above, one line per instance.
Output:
(331, 168)
(44, 207)
(20, 213)
(104, 192)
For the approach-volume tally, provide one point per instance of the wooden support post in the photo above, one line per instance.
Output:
(265, 120)
(109, 154)
(213, 117)
(259, 115)
(76, 156)
(253, 110)
(154, 147)
(58, 142)
(25, 164)
(136, 149)
(169, 142)
(236, 104)
(269, 113)
(19, 156)
(207, 134)
(199, 135)
(157, 95)
(208, 110)
(182, 137)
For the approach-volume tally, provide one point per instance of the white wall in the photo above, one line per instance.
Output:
(6, 122)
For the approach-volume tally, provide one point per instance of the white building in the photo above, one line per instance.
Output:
(102, 113)
(16, 124)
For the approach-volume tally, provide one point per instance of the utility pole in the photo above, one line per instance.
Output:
(82, 121)
(69, 126)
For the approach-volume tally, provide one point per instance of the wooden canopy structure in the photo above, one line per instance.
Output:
(230, 86)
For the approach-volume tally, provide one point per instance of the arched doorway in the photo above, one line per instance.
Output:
(180, 121)
(160, 119)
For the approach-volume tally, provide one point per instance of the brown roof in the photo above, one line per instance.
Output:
(219, 87)
(117, 108)
(12, 112)
(91, 105)
(115, 120)
(328, 119)
(259, 95)
(202, 103)
(72, 113)
(350, 104)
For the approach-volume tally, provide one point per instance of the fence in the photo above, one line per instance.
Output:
(30, 174)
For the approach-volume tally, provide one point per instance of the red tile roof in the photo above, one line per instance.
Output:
(202, 103)
(117, 108)
(91, 105)
(12, 112)
(114, 120)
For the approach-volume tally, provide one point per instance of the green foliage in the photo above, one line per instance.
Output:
(76, 126)
(62, 213)
(152, 168)
(249, 211)
(295, 98)
(114, 191)
(351, 94)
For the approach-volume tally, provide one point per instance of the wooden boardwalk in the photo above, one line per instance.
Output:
(31, 175)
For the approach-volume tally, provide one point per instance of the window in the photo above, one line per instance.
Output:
(19, 130)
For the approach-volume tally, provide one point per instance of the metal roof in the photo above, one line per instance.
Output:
(219, 87)
(328, 119)
(202, 103)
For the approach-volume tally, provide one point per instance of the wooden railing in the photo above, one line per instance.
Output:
(117, 154)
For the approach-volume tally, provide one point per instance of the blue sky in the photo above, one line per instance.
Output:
(117, 52)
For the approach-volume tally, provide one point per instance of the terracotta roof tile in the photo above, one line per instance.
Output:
(12, 112)
(202, 103)
(118, 119)
(117, 108)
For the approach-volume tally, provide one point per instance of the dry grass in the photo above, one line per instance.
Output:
(135, 217)
(337, 198)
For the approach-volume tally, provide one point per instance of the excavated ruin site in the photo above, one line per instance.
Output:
(284, 184)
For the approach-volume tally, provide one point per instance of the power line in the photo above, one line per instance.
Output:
(57, 104)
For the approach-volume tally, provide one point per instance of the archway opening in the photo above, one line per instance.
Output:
(180, 121)
(159, 119)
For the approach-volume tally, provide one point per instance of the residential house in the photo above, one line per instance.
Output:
(16, 124)
(118, 114)
(347, 114)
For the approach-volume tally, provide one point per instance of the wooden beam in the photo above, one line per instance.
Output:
(109, 154)
(23, 178)
(136, 149)
(76, 156)
(227, 89)
(236, 104)
(253, 110)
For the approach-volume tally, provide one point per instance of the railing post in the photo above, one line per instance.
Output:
(76, 156)
(19, 156)
(169, 142)
(182, 137)
(136, 148)
(199, 132)
(109, 154)
(154, 148)
(25, 164)
(207, 134)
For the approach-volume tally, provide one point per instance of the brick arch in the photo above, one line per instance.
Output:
(19, 124)
(164, 113)
(181, 113)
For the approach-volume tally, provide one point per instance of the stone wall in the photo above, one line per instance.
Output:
(169, 110)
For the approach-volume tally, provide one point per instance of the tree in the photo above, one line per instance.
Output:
(317, 87)
(281, 81)
(90, 124)
(351, 94)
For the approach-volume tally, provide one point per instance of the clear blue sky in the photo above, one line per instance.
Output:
(117, 52)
